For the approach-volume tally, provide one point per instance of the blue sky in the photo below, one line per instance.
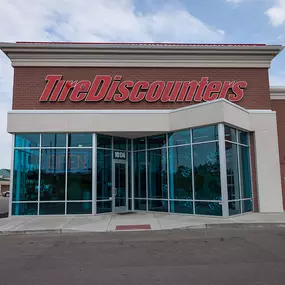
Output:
(188, 21)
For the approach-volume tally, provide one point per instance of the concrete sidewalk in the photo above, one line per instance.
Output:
(131, 221)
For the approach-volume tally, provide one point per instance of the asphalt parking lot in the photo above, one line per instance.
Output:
(208, 256)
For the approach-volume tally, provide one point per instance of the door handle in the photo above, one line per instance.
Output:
(115, 191)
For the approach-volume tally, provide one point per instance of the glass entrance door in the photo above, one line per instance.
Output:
(120, 187)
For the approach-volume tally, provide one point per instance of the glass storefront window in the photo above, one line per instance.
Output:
(157, 174)
(79, 174)
(27, 140)
(180, 173)
(232, 171)
(158, 205)
(204, 134)
(140, 204)
(209, 208)
(104, 207)
(181, 207)
(25, 175)
(156, 141)
(234, 208)
(104, 174)
(230, 134)
(52, 208)
(104, 141)
(179, 138)
(79, 208)
(243, 137)
(139, 175)
(53, 167)
(207, 171)
(53, 140)
(24, 209)
(245, 172)
(120, 143)
(139, 144)
(80, 140)
(247, 206)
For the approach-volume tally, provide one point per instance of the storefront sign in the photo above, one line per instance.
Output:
(120, 155)
(107, 88)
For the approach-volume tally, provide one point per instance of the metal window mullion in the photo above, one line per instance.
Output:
(193, 172)
(11, 175)
(239, 178)
(66, 166)
(146, 172)
(94, 174)
(39, 179)
(132, 170)
(167, 171)
(223, 170)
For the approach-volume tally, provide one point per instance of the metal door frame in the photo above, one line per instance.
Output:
(114, 210)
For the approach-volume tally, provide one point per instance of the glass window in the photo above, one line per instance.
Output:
(182, 207)
(207, 171)
(245, 172)
(129, 142)
(247, 206)
(80, 140)
(27, 140)
(180, 173)
(104, 207)
(158, 205)
(120, 143)
(234, 208)
(52, 208)
(243, 137)
(130, 204)
(53, 166)
(209, 208)
(130, 175)
(79, 208)
(139, 144)
(178, 138)
(79, 174)
(26, 175)
(209, 133)
(232, 171)
(230, 134)
(140, 204)
(53, 140)
(104, 141)
(139, 175)
(24, 209)
(104, 174)
(156, 141)
(157, 174)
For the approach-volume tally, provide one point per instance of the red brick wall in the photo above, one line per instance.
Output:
(29, 82)
(279, 107)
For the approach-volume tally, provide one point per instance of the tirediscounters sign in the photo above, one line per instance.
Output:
(107, 88)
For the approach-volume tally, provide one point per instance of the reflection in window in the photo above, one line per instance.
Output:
(104, 207)
(158, 205)
(180, 173)
(181, 207)
(80, 140)
(104, 174)
(53, 140)
(209, 208)
(234, 208)
(247, 206)
(203, 134)
(207, 171)
(79, 208)
(27, 140)
(52, 208)
(139, 144)
(120, 143)
(245, 171)
(230, 134)
(179, 138)
(53, 166)
(139, 175)
(140, 204)
(26, 175)
(156, 141)
(232, 171)
(104, 141)
(243, 137)
(157, 174)
(79, 174)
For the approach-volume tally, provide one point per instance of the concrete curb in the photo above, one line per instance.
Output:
(30, 232)
(246, 225)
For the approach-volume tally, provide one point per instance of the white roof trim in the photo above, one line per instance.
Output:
(277, 93)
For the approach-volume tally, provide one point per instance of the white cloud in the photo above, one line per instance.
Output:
(85, 20)
(276, 14)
